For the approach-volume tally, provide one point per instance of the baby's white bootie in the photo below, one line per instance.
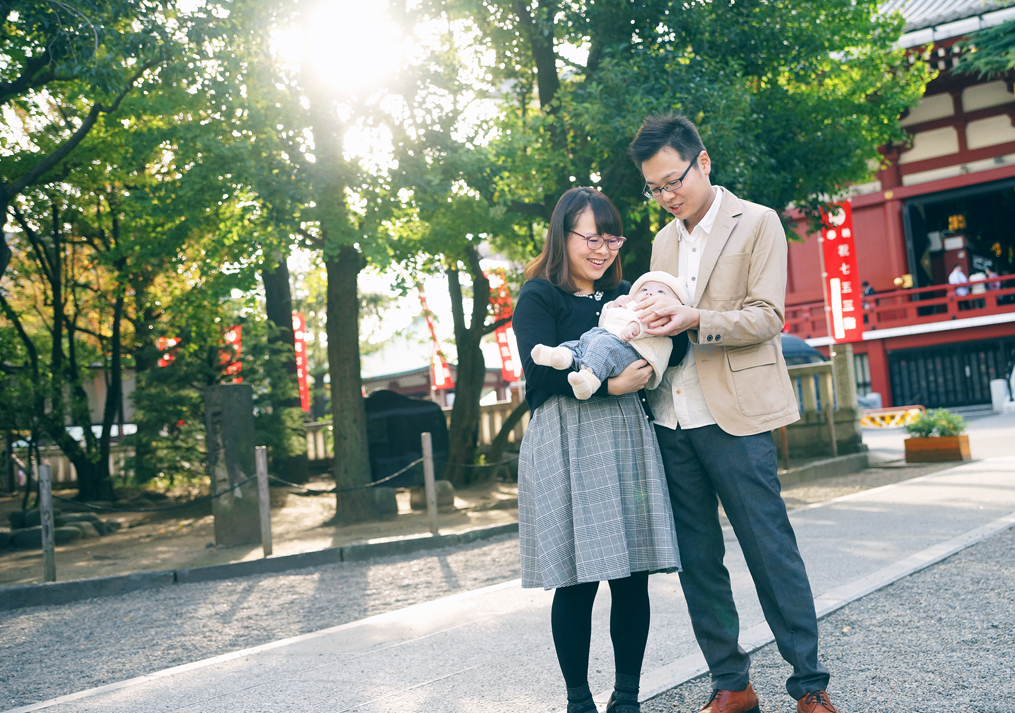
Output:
(558, 357)
(584, 383)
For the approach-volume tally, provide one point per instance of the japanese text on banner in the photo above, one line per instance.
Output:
(843, 289)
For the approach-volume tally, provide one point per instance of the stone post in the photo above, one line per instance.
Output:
(46, 520)
(847, 418)
(229, 423)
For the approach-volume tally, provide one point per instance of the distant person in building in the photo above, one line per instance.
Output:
(716, 410)
(957, 277)
(867, 292)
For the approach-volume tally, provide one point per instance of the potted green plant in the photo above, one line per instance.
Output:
(937, 436)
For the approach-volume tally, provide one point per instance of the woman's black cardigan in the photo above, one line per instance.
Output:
(545, 314)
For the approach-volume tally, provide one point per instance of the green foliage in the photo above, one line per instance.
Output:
(792, 99)
(939, 422)
(989, 53)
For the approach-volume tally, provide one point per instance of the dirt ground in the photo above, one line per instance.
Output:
(184, 538)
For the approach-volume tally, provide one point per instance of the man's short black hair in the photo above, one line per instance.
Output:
(657, 132)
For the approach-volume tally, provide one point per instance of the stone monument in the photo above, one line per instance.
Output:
(229, 421)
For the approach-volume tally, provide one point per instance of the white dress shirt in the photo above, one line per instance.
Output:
(678, 399)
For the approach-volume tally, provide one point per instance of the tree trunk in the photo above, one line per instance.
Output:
(332, 175)
(499, 446)
(352, 458)
(291, 458)
(114, 390)
(464, 429)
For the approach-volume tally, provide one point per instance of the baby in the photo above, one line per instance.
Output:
(620, 339)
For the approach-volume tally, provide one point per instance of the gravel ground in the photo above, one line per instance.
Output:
(91, 643)
(939, 641)
(99, 641)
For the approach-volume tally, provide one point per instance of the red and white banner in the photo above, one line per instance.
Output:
(229, 357)
(841, 279)
(501, 306)
(507, 345)
(299, 331)
(167, 350)
(440, 372)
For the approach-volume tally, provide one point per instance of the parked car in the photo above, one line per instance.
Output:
(796, 351)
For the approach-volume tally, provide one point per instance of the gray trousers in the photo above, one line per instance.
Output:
(602, 352)
(703, 464)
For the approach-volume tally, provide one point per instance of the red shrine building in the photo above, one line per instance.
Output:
(946, 200)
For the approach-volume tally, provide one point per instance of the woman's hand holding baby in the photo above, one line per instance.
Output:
(631, 379)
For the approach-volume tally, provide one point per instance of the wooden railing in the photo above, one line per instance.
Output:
(816, 398)
(922, 305)
(63, 471)
(320, 444)
(492, 417)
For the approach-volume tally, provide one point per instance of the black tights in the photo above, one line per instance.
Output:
(571, 620)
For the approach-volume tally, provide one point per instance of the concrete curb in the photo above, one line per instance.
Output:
(30, 595)
(828, 468)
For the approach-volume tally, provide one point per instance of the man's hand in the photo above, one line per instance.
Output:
(669, 321)
(665, 315)
(631, 379)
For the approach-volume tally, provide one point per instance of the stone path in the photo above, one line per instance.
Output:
(490, 650)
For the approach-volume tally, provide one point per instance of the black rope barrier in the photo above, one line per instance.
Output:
(202, 499)
(333, 491)
(310, 491)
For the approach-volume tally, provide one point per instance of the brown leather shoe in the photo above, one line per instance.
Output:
(816, 702)
(744, 701)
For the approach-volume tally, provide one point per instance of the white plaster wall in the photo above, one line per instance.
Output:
(933, 107)
(985, 95)
(989, 132)
(931, 144)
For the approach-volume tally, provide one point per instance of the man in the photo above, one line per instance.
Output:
(957, 277)
(715, 411)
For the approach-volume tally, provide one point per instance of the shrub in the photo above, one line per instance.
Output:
(939, 422)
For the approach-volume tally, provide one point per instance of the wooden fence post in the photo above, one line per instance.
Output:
(428, 482)
(264, 498)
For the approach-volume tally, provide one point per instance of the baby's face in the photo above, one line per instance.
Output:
(655, 288)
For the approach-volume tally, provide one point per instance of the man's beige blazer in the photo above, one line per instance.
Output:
(741, 296)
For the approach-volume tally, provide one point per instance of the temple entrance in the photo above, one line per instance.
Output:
(970, 227)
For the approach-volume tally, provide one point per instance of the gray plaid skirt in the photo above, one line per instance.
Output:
(592, 498)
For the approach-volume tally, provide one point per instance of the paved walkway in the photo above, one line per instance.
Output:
(490, 650)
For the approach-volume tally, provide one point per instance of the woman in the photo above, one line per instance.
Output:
(592, 499)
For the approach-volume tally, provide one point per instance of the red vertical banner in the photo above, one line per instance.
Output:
(229, 357)
(440, 372)
(299, 331)
(167, 350)
(502, 307)
(510, 364)
(840, 277)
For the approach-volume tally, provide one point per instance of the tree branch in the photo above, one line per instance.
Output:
(494, 326)
(29, 79)
(541, 46)
(314, 240)
(480, 291)
(40, 251)
(78, 136)
(29, 344)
